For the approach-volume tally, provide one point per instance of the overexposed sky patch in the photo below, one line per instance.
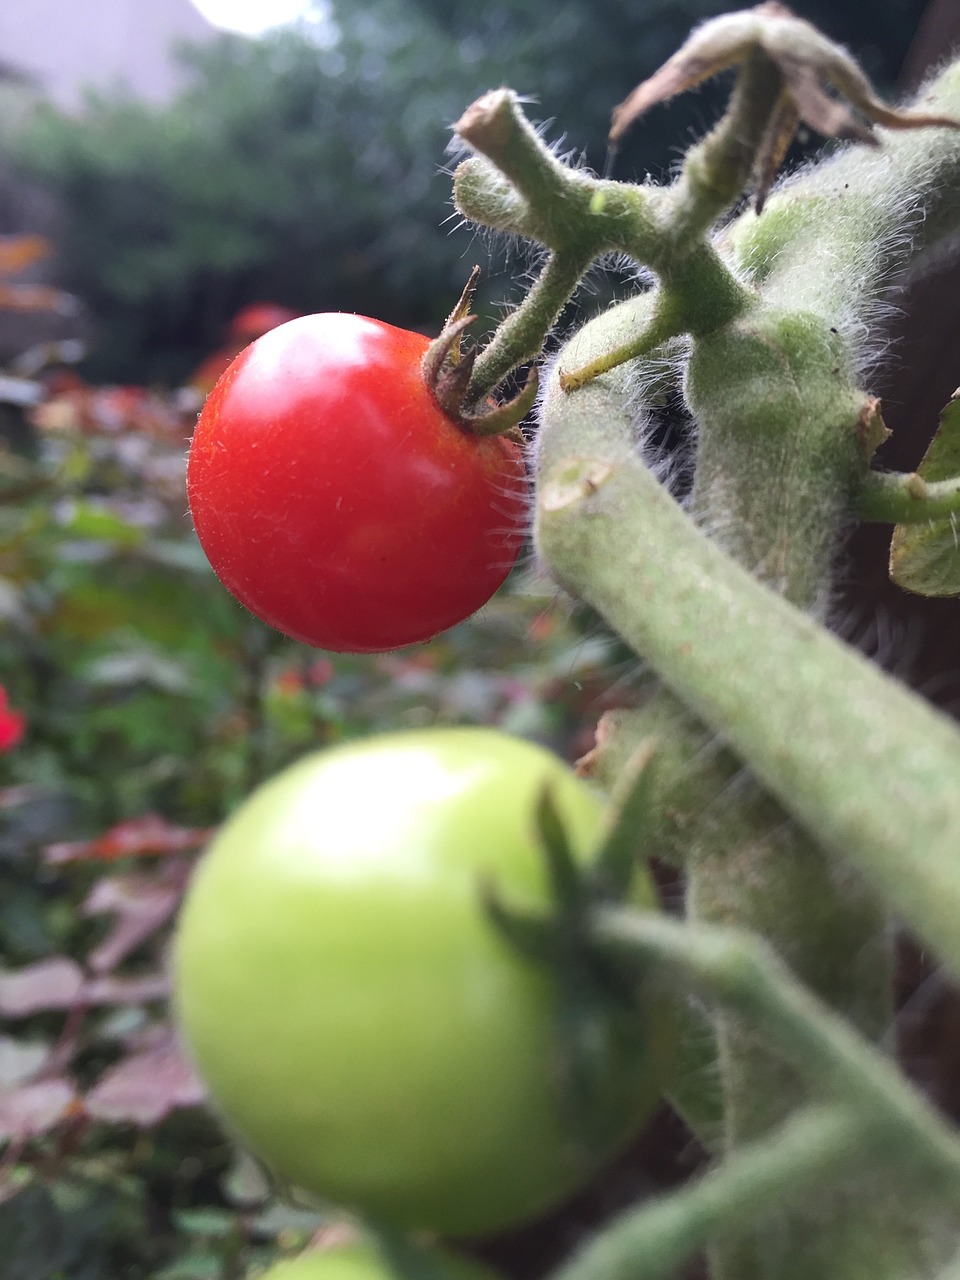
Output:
(253, 17)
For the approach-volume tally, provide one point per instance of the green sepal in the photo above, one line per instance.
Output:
(925, 558)
(634, 804)
(567, 881)
(600, 1011)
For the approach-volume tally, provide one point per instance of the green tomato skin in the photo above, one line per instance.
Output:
(360, 1022)
(363, 1262)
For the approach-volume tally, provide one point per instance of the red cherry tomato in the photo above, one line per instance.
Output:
(337, 501)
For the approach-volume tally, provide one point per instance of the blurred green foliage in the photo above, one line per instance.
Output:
(310, 170)
(153, 703)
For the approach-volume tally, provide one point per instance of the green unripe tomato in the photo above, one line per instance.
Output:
(360, 1021)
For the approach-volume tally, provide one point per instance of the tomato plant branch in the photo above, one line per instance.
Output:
(707, 814)
(520, 337)
(897, 498)
(738, 971)
(815, 1146)
(567, 210)
(521, 187)
(717, 170)
(698, 295)
(870, 770)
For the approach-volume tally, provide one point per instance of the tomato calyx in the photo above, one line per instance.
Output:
(595, 990)
(447, 369)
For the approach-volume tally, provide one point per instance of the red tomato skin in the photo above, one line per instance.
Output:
(336, 500)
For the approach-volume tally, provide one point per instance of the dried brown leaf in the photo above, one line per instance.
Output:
(829, 91)
(141, 905)
(776, 141)
(111, 990)
(49, 984)
(816, 107)
(146, 836)
(708, 50)
(144, 1088)
(35, 1109)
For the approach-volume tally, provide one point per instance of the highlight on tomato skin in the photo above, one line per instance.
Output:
(338, 502)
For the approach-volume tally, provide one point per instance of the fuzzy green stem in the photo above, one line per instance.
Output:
(740, 972)
(699, 294)
(649, 1243)
(520, 337)
(579, 217)
(495, 127)
(716, 171)
(660, 329)
(895, 498)
(710, 816)
(871, 771)
(568, 210)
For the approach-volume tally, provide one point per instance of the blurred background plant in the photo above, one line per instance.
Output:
(307, 166)
(138, 702)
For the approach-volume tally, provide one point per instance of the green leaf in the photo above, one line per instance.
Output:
(212, 1223)
(98, 523)
(925, 558)
(565, 878)
(32, 1243)
(198, 1265)
(177, 555)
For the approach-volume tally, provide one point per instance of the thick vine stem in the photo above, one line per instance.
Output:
(711, 817)
(780, 451)
(897, 498)
(746, 862)
(865, 214)
(870, 771)
(649, 1243)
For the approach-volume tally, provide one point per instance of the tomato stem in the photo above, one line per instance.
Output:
(892, 497)
(817, 1145)
(741, 973)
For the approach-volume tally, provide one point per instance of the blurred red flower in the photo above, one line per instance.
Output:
(12, 723)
